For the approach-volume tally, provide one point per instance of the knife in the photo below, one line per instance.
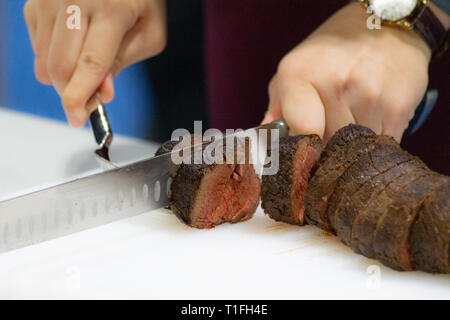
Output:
(91, 201)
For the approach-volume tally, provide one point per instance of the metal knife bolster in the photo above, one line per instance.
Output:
(89, 202)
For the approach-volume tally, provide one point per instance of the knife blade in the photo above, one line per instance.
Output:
(91, 201)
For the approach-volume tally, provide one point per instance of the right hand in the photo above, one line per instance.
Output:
(113, 35)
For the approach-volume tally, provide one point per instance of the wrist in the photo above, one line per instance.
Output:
(443, 17)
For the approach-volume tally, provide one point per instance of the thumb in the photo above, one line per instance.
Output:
(302, 107)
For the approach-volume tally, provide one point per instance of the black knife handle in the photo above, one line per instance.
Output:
(422, 112)
(100, 123)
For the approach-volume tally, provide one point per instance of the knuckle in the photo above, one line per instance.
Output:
(372, 95)
(71, 102)
(41, 72)
(159, 41)
(91, 62)
(28, 11)
(287, 66)
(125, 9)
(399, 112)
(43, 4)
(59, 71)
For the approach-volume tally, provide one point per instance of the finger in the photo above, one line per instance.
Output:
(274, 110)
(146, 39)
(98, 53)
(29, 12)
(398, 110)
(363, 96)
(107, 90)
(45, 24)
(64, 50)
(337, 112)
(302, 107)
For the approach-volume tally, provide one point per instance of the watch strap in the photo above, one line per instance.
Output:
(431, 30)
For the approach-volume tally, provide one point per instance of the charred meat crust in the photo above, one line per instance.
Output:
(283, 193)
(391, 237)
(430, 234)
(372, 209)
(375, 162)
(341, 152)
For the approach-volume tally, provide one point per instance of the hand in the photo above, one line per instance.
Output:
(113, 35)
(346, 73)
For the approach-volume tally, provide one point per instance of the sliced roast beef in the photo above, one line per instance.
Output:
(206, 195)
(365, 223)
(283, 193)
(384, 156)
(384, 163)
(391, 237)
(430, 233)
(344, 149)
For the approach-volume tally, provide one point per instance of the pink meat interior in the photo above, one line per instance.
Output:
(304, 160)
(228, 193)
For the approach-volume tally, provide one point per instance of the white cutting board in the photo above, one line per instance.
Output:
(156, 256)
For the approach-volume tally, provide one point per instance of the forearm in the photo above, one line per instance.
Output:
(441, 15)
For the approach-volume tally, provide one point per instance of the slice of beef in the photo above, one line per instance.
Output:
(385, 155)
(365, 223)
(430, 233)
(344, 149)
(206, 195)
(283, 193)
(391, 237)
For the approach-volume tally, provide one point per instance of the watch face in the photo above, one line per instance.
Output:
(392, 10)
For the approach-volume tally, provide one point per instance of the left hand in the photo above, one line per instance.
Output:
(345, 73)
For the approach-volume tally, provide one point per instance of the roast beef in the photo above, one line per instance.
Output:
(343, 149)
(429, 241)
(283, 193)
(382, 201)
(391, 236)
(205, 195)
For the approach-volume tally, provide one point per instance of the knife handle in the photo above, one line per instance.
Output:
(99, 122)
(422, 112)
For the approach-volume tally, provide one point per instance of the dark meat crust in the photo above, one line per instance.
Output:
(391, 237)
(344, 149)
(362, 179)
(382, 201)
(430, 233)
(185, 186)
(373, 208)
(276, 189)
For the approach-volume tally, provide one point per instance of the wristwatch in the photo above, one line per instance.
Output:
(411, 15)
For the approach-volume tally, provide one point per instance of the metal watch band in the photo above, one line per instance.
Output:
(431, 30)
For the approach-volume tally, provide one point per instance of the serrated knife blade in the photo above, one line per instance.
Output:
(91, 201)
